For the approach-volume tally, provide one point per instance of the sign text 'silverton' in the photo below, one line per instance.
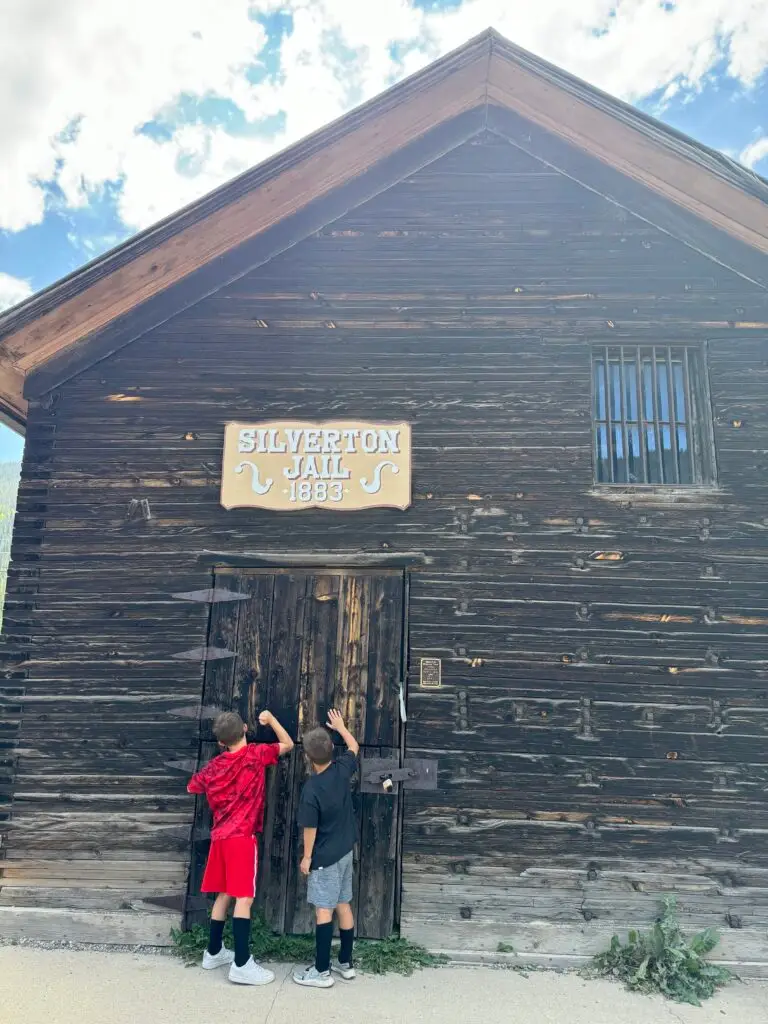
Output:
(346, 465)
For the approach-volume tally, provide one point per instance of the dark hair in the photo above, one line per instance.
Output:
(228, 728)
(318, 746)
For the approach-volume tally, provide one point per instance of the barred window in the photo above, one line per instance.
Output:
(650, 418)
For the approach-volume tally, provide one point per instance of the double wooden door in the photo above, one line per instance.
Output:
(307, 641)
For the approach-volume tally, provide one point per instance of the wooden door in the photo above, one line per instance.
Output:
(307, 641)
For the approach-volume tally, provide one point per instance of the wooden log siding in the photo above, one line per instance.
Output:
(612, 743)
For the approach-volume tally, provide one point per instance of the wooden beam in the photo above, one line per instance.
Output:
(631, 195)
(342, 160)
(13, 405)
(627, 150)
(232, 265)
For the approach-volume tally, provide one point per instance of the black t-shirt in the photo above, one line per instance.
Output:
(326, 804)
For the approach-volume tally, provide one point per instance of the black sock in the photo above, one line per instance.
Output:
(347, 936)
(323, 939)
(215, 937)
(241, 929)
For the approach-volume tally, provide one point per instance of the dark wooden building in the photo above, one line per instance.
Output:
(565, 301)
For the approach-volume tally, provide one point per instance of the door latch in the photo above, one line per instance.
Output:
(386, 775)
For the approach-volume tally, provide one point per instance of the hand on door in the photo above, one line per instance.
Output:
(336, 722)
(266, 718)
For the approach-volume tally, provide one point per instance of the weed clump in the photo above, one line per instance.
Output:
(664, 960)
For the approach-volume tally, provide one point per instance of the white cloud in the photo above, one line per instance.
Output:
(86, 75)
(756, 151)
(12, 290)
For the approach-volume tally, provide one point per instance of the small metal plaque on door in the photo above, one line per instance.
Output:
(430, 674)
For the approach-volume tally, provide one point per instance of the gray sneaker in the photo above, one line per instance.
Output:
(345, 971)
(312, 978)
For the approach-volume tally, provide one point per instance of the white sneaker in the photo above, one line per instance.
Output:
(345, 971)
(250, 974)
(222, 959)
(312, 978)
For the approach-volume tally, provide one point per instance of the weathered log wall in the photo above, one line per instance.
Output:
(601, 727)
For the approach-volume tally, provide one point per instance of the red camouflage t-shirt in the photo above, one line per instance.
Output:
(233, 783)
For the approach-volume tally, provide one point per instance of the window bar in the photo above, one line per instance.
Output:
(693, 448)
(672, 416)
(623, 415)
(608, 420)
(597, 371)
(641, 424)
(656, 419)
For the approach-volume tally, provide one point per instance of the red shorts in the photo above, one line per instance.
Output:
(232, 867)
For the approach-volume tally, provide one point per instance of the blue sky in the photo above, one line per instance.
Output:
(117, 115)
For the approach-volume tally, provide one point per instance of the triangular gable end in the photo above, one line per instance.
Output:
(694, 194)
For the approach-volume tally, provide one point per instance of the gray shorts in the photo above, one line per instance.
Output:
(327, 887)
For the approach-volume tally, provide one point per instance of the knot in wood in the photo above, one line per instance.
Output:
(460, 867)
(647, 717)
(466, 913)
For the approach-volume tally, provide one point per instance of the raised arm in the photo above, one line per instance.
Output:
(336, 722)
(285, 741)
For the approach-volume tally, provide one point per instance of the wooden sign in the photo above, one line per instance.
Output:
(430, 673)
(345, 465)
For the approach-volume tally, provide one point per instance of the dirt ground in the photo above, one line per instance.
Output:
(68, 987)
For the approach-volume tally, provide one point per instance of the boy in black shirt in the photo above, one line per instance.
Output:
(328, 819)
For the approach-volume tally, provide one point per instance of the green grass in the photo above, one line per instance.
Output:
(664, 961)
(389, 956)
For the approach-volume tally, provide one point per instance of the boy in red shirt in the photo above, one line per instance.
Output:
(233, 783)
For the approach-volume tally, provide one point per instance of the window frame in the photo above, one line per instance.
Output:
(700, 417)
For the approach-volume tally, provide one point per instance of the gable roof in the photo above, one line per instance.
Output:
(487, 83)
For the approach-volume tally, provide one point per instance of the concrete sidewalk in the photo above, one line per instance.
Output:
(69, 987)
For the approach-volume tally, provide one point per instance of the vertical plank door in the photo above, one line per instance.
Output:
(308, 641)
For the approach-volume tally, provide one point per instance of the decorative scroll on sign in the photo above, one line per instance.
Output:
(345, 465)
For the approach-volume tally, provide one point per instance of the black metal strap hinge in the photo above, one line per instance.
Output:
(179, 902)
(213, 595)
(386, 775)
(196, 711)
(204, 654)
